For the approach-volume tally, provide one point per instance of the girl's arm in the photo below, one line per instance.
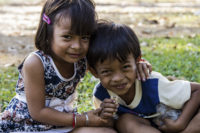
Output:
(144, 68)
(33, 74)
(189, 110)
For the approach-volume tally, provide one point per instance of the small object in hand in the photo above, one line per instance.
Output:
(115, 98)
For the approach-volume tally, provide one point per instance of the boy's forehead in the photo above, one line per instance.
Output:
(108, 61)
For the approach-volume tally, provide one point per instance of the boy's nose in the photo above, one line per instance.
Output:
(118, 77)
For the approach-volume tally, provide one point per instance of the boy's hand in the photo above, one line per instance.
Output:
(144, 68)
(109, 108)
(96, 121)
(171, 126)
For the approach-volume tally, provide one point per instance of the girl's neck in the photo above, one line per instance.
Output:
(129, 96)
(66, 69)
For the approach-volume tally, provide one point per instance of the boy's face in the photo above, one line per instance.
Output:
(117, 76)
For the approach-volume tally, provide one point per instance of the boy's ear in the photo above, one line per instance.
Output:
(93, 71)
(138, 59)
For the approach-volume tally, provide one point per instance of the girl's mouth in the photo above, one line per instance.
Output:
(74, 55)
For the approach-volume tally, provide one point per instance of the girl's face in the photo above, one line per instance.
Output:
(66, 46)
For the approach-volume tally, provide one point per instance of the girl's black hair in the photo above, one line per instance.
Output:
(112, 41)
(81, 12)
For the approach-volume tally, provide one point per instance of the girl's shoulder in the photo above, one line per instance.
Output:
(33, 59)
(32, 62)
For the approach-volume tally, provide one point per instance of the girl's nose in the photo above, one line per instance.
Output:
(76, 43)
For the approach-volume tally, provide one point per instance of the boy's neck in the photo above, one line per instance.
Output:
(129, 96)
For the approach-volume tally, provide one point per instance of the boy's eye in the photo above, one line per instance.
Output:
(105, 72)
(126, 66)
(85, 38)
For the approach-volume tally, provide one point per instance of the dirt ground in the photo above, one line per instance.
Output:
(18, 22)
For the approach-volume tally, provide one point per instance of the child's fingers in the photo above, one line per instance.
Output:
(106, 115)
(168, 125)
(97, 111)
(149, 67)
(146, 70)
(108, 103)
(141, 72)
(138, 75)
(168, 122)
(106, 100)
(163, 127)
(108, 112)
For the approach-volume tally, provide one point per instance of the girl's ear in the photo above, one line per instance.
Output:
(93, 71)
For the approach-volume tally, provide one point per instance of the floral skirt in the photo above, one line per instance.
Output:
(16, 118)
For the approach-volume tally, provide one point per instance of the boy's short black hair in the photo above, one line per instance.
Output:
(112, 41)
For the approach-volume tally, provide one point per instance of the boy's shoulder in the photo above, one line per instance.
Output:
(155, 74)
(100, 92)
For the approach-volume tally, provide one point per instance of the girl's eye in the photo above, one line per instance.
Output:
(67, 37)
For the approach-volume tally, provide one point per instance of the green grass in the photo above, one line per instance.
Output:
(8, 79)
(175, 56)
(170, 56)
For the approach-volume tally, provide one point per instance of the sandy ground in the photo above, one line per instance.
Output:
(18, 22)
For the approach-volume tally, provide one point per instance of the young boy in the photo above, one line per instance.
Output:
(112, 56)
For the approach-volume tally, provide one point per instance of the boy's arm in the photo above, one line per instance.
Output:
(191, 106)
(188, 111)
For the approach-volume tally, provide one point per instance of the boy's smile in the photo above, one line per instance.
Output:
(118, 77)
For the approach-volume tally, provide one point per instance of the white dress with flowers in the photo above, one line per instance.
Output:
(59, 95)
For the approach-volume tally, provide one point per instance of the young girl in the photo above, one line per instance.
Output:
(45, 89)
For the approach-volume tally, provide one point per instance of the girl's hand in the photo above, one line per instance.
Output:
(171, 126)
(96, 121)
(109, 108)
(144, 68)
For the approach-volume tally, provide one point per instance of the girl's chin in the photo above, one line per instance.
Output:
(72, 60)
